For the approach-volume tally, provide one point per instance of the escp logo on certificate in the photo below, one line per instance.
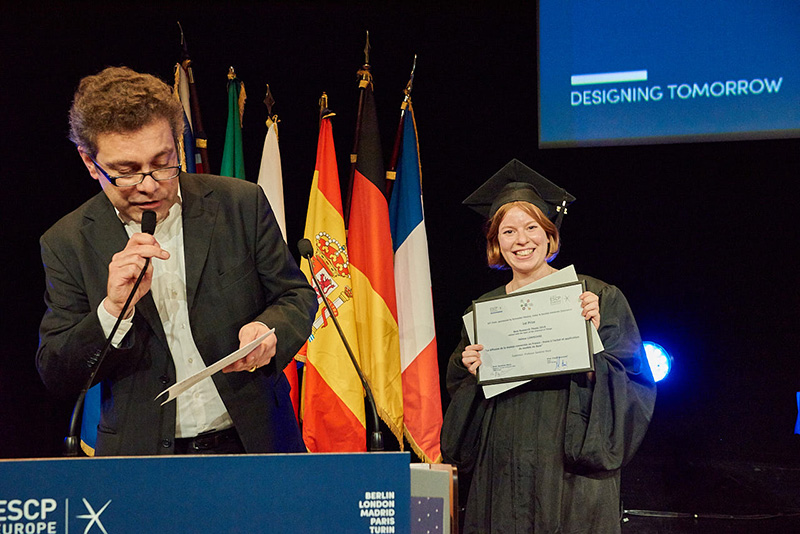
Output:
(495, 309)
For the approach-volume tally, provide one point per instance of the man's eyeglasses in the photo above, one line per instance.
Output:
(127, 180)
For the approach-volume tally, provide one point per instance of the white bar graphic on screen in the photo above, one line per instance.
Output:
(610, 77)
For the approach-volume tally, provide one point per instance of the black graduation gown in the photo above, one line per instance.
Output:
(545, 457)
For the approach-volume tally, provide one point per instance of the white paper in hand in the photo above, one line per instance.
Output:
(176, 389)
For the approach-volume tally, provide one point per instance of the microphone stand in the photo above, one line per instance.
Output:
(375, 442)
(72, 441)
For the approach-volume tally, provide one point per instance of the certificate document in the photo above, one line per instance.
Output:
(174, 390)
(533, 333)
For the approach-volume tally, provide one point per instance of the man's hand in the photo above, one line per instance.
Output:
(124, 269)
(259, 356)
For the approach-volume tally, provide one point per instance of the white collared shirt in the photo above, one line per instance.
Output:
(199, 409)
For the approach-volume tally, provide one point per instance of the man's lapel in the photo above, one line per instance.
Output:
(107, 236)
(103, 230)
(199, 218)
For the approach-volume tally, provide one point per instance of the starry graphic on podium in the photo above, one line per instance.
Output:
(426, 515)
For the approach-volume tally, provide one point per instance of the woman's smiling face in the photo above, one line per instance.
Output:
(523, 242)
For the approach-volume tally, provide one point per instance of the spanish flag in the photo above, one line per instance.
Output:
(370, 243)
(333, 397)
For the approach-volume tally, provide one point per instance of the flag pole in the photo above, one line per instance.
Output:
(200, 138)
(391, 172)
(324, 111)
(364, 81)
(269, 101)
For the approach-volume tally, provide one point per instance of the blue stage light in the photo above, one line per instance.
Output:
(659, 359)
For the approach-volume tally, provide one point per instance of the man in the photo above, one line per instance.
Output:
(220, 275)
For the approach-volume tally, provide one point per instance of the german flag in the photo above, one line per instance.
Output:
(370, 243)
(333, 397)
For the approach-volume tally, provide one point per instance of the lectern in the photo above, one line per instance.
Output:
(277, 493)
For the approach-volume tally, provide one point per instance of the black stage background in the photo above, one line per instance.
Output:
(700, 237)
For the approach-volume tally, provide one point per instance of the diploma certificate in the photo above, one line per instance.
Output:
(533, 333)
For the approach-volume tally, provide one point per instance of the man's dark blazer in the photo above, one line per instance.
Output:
(238, 270)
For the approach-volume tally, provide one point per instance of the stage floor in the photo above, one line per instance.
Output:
(730, 497)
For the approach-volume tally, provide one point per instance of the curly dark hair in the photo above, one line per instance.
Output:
(119, 99)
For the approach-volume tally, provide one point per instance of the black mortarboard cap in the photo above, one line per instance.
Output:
(516, 181)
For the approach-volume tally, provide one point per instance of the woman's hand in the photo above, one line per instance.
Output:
(591, 308)
(471, 357)
(591, 312)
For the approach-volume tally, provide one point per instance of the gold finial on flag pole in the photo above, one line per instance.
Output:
(324, 111)
(366, 51)
(410, 84)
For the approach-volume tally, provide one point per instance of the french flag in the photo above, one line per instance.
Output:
(422, 404)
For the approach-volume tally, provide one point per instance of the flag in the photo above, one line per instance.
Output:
(333, 397)
(422, 403)
(270, 176)
(186, 143)
(90, 419)
(232, 154)
(370, 243)
(186, 90)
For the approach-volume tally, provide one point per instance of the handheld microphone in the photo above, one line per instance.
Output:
(71, 442)
(306, 250)
(149, 222)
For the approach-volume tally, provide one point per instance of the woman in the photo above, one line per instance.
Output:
(545, 456)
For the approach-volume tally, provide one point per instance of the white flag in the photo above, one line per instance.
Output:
(270, 177)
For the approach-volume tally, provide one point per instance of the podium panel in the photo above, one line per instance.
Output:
(283, 493)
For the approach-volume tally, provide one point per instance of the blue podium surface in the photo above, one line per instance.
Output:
(282, 493)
